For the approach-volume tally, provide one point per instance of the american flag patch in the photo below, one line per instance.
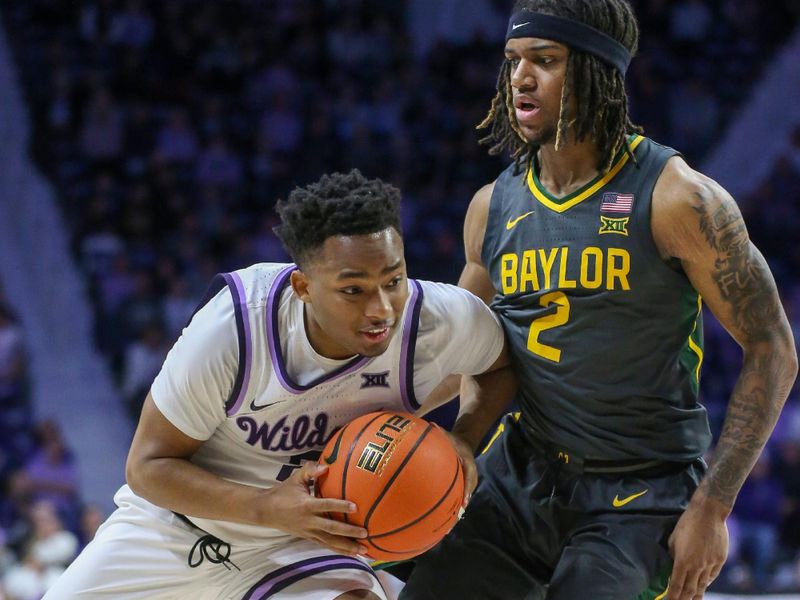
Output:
(619, 203)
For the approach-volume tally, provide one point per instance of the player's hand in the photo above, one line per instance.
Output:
(467, 463)
(295, 510)
(699, 547)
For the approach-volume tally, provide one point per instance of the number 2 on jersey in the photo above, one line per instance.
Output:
(549, 321)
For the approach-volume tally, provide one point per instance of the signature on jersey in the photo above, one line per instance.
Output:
(283, 435)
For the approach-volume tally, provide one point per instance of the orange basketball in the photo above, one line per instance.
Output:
(403, 474)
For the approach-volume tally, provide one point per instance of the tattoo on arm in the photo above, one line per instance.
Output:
(740, 273)
(752, 412)
(745, 285)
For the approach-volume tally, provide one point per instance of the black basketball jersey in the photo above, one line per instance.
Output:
(606, 338)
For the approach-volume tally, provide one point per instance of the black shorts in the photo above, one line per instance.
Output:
(542, 527)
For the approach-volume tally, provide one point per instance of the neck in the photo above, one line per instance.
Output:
(565, 170)
(319, 340)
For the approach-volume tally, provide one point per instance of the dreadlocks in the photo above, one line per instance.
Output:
(598, 88)
(338, 204)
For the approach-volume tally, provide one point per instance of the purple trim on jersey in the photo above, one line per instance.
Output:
(410, 329)
(275, 351)
(217, 284)
(282, 578)
(239, 390)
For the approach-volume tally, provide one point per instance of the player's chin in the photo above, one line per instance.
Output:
(537, 135)
(372, 346)
(373, 349)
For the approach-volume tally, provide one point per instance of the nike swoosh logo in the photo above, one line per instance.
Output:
(513, 222)
(518, 25)
(617, 502)
(331, 458)
(254, 406)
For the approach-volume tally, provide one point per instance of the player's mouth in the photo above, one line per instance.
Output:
(526, 109)
(375, 334)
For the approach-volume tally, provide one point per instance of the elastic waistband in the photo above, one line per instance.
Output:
(573, 462)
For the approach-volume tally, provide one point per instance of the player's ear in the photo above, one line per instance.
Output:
(299, 282)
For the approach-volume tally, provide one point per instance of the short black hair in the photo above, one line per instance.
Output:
(337, 204)
(598, 87)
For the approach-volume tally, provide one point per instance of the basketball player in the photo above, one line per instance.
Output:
(595, 248)
(219, 500)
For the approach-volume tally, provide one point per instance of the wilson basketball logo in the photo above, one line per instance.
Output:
(374, 452)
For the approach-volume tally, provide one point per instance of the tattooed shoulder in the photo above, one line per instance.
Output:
(720, 220)
(739, 272)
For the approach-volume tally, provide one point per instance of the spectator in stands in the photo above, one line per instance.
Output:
(51, 473)
(694, 116)
(143, 359)
(177, 140)
(690, 22)
(47, 553)
(142, 308)
(50, 545)
(92, 516)
(217, 164)
(102, 134)
(177, 305)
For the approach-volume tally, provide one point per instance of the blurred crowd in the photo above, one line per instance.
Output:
(44, 521)
(170, 129)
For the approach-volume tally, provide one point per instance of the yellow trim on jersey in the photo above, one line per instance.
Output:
(692, 344)
(580, 196)
(500, 429)
(663, 594)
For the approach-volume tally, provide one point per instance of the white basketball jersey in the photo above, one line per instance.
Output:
(244, 377)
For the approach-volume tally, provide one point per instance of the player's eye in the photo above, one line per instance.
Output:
(351, 291)
(395, 282)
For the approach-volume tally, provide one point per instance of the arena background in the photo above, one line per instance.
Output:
(143, 145)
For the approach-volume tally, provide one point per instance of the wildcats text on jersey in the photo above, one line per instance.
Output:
(558, 268)
(284, 435)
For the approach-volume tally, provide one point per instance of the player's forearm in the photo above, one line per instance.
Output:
(441, 394)
(483, 399)
(183, 487)
(768, 372)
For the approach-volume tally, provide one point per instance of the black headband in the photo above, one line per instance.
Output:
(573, 33)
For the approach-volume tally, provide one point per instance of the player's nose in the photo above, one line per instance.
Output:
(379, 307)
(522, 76)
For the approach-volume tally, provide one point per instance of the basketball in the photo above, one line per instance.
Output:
(403, 474)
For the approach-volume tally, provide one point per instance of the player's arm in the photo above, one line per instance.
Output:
(483, 397)
(696, 221)
(450, 387)
(185, 406)
(159, 469)
(475, 278)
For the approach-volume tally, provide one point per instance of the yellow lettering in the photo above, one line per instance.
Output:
(594, 279)
(529, 273)
(563, 282)
(619, 265)
(547, 264)
(508, 273)
(549, 321)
